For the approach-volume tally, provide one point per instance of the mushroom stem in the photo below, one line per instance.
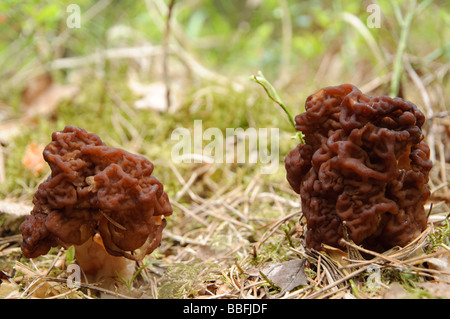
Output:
(98, 265)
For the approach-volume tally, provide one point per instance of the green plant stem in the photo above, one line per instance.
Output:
(270, 282)
(398, 62)
(273, 95)
(405, 24)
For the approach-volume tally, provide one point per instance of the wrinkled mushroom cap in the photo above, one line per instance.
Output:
(363, 169)
(95, 189)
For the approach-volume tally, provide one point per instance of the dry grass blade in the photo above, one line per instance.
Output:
(112, 221)
(275, 228)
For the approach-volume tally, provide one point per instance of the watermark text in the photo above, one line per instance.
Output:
(236, 146)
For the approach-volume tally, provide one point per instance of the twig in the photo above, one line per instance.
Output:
(427, 103)
(89, 286)
(63, 294)
(54, 261)
(339, 281)
(2, 166)
(190, 213)
(166, 54)
(182, 240)
(420, 86)
(101, 55)
(370, 252)
(286, 40)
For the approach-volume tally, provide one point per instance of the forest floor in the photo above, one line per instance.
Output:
(235, 232)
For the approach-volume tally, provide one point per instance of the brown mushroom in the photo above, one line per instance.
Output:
(101, 199)
(363, 169)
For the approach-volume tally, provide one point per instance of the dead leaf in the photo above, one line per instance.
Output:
(33, 159)
(436, 289)
(39, 287)
(3, 18)
(223, 289)
(9, 290)
(252, 272)
(35, 87)
(41, 95)
(3, 275)
(220, 288)
(336, 254)
(154, 96)
(442, 265)
(9, 129)
(287, 275)
(12, 208)
(394, 291)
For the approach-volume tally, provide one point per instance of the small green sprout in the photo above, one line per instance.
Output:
(441, 236)
(273, 95)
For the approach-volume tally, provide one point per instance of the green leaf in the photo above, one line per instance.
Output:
(70, 255)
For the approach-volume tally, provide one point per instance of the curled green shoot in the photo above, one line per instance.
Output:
(273, 95)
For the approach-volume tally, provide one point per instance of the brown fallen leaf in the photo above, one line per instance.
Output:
(436, 289)
(9, 290)
(33, 159)
(42, 95)
(287, 275)
(442, 265)
(3, 275)
(39, 287)
(3, 18)
(35, 87)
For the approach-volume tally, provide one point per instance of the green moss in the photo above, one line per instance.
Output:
(184, 280)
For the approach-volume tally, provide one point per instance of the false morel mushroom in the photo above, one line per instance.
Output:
(95, 192)
(362, 172)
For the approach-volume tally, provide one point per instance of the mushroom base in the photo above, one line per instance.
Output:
(99, 266)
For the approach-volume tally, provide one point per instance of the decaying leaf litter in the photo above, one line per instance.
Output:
(232, 227)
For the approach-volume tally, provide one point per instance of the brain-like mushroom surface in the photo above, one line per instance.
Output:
(363, 169)
(94, 189)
